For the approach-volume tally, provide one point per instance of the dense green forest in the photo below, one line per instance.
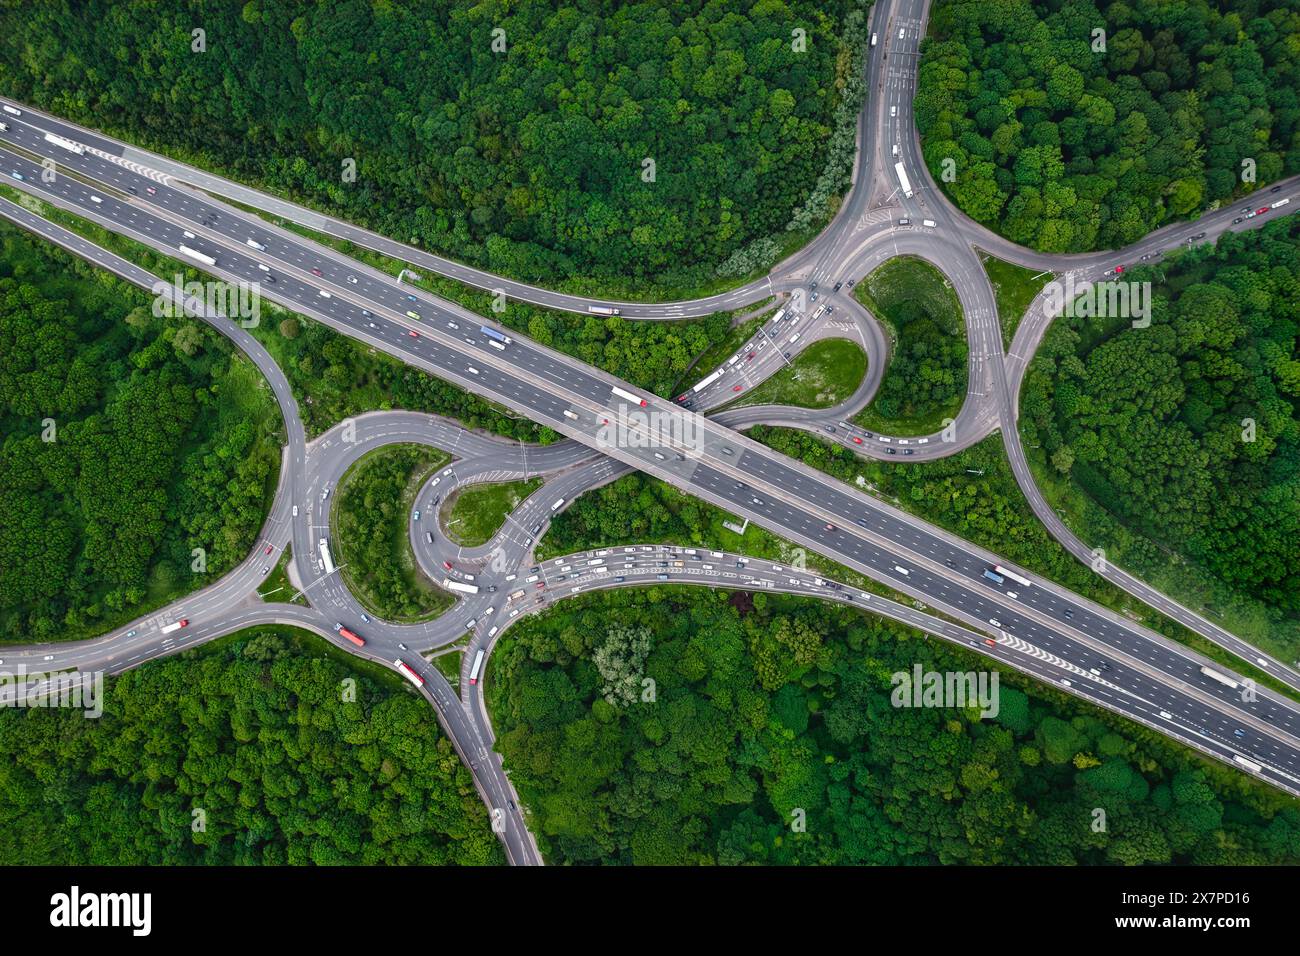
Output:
(1063, 148)
(129, 441)
(1152, 422)
(766, 711)
(522, 151)
(257, 734)
(926, 378)
(370, 517)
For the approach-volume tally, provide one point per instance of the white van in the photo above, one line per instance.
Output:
(928, 222)
(558, 505)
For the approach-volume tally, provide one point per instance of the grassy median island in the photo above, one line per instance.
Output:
(1014, 287)
(926, 378)
(369, 533)
(139, 455)
(276, 586)
(824, 374)
(255, 729)
(476, 513)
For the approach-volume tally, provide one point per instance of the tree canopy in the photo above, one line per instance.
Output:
(1064, 146)
(524, 150)
(286, 762)
(129, 442)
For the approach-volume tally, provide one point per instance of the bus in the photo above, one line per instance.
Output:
(780, 314)
(495, 335)
(902, 180)
(1223, 679)
(1280, 203)
(326, 562)
(195, 254)
(409, 674)
(602, 310)
(628, 396)
(477, 669)
(463, 588)
(1243, 762)
(13, 110)
(1022, 581)
(707, 381)
(350, 635)
(994, 576)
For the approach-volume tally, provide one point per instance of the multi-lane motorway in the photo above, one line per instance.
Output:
(1040, 628)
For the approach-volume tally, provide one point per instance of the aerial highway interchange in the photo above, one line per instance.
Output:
(1039, 628)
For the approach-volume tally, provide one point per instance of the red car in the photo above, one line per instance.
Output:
(268, 550)
(1260, 211)
(857, 440)
(1119, 270)
(413, 334)
(150, 190)
(737, 388)
(681, 398)
(315, 272)
(749, 357)
(990, 642)
(830, 527)
(446, 565)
